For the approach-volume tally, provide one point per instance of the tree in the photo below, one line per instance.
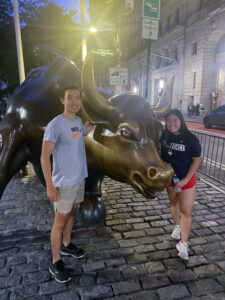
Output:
(42, 22)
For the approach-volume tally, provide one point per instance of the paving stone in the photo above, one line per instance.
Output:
(121, 252)
(155, 281)
(165, 245)
(221, 280)
(4, 294)
(204, 287)
(94, 266)
(25, 292)
(154, 231)
(2, 263)
(137, 258)
(221, 264)
(128, 243)
(125, 287)
(196, 260)
(173, 292)
(16, 260)
(129, 271)
(9, 281)
(174, 263)
(159, 255)
(108, 276)
(144, 248)
(214, 256)
(181, 275)
(9, 252)
(134, 234)
(51, 287)
(69, 295)
(106, 246)
(159, 223)
(141, 226)
(36, 277)
(96, 292)
(25, 268)
(115, 262)
(207, 271)
(87, 280)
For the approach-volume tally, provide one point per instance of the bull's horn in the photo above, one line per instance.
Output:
(166, 99)
(93, 100)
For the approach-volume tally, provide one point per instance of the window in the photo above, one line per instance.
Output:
(194, 80)
(194, 48)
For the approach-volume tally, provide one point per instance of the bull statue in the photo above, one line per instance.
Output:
(123, 145)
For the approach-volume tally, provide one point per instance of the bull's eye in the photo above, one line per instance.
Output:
(125, 133)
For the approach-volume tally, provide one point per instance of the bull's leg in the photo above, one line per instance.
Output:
(13, 156)
(92, 210)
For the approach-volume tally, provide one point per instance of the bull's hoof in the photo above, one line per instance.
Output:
(92, 210)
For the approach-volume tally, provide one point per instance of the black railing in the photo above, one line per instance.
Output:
(213, 156)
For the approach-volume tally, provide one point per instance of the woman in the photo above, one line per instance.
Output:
(182, 150)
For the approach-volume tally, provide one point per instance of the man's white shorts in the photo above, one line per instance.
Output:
(67, 196)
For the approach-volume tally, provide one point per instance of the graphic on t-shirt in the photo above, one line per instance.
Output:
(178, 147)
(174, 146)
(75, 132)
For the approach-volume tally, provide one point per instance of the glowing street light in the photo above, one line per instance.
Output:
(93, 29)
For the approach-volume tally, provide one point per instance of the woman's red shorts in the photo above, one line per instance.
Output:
(190, 184)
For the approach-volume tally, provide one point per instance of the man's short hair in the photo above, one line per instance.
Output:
(70, 87)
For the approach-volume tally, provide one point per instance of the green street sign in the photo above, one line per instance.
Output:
(151, 9)
(103, 52)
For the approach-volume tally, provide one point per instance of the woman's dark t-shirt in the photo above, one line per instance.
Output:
(178, 150)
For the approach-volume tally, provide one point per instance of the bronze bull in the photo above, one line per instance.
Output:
(123, 144)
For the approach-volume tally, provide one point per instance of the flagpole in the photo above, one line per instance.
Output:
(18, 42)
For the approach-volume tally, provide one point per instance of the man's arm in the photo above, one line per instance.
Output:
(47, 149)
(89, 127)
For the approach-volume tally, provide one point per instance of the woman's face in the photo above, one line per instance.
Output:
(173, 124)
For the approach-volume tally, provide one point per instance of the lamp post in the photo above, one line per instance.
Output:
(18, 42)
(84, 41)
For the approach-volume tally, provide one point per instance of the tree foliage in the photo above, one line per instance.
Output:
(42, 22)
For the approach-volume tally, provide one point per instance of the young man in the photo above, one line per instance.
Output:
(63, 139)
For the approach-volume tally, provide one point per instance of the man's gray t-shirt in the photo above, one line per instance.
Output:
(69, 158)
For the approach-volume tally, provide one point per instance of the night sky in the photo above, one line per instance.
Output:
(73, 4)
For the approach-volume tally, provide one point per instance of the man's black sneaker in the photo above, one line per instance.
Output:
(72, 251)
(59, 272)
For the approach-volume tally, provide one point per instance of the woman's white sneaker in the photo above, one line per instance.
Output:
(182, 249)
(176, 232)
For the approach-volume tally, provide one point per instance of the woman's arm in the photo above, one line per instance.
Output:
(192, 170)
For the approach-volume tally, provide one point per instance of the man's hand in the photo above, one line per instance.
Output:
(52, 193)
(88, 126)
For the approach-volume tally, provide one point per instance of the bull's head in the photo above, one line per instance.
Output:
(126, 137)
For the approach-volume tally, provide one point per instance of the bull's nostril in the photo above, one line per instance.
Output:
(151, 172)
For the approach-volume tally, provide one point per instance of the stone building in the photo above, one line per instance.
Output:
(191, 44)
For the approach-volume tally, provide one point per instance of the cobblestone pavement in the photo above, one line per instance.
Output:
(130, 257)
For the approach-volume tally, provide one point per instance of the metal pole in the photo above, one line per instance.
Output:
(119, 90)
(147, 70)
(18, 42)
(84, 41)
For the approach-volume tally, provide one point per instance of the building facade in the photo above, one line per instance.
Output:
(191, 44)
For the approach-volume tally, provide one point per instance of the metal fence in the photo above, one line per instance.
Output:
(213, 156)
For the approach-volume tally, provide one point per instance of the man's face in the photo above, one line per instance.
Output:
(71, 101)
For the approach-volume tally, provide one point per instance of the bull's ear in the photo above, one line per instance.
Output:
(96, 106)
(166, 99)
